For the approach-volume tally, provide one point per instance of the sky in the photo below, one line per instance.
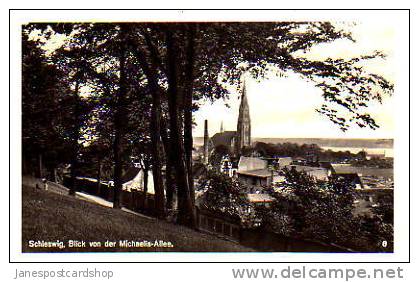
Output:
(284, 107)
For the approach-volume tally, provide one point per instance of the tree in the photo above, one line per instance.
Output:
(185, 62)
(224, 194)
(150, 63)
(139, 137)
(224, 51)
(323, 211)
(169, 178)
(75, 58)
(217, 155)
(185, 193)
(111, 71)
(44, 113)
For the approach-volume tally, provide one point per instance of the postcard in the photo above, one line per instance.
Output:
(210, 135)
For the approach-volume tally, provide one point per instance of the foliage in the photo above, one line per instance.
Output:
(222, 193)
(44, 112)
(277, 48)
(287, 149)
(371, 232)
(145, 79)
(308, 151)
(217, 155)
(323, 211)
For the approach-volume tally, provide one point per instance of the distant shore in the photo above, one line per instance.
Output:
(323, 142)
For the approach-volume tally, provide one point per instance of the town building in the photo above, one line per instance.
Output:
(235, 141)
(228, 166)
(317, 172)
(256, 174)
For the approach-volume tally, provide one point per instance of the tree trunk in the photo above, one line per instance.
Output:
(152, 77)
(145, 184)
(55, 173)
(188, 88)
(117, 150)
(75, 139)
(73, 175)
(119, 120)
(186, 215)
(40, 174)
(170, 185)
(155, 150)
(99, 176)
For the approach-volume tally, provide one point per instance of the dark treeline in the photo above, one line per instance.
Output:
(117, 92)
(311, 151)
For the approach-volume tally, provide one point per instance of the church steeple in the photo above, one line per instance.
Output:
(243, 138)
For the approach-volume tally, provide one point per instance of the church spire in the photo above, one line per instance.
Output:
(243, 138)
(244, 105)
(222, 127)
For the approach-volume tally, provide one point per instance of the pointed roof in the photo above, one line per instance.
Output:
(130, 174)
(244, 95)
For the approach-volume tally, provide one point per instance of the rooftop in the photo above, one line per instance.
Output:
(223, 138)
(258, 173)
(260, 198)
(316, 172)
(247, 164)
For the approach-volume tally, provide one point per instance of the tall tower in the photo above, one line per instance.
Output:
(206, 145)
(222, 127)
(243, 138)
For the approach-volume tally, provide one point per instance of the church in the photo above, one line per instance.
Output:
(235, 141)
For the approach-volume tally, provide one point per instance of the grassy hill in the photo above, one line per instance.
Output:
(48, 216)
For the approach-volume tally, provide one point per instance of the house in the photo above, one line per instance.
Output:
(284, 161)
(228, 166)
(319, 173)
(256, 174)
(251, 163)
(133, 179)
(351, 178)
(327, 165)
(279, 162)
(257, 178)
(260, 199)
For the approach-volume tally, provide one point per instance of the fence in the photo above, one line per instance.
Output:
(133, 200)
(212, 222)
(230, 227)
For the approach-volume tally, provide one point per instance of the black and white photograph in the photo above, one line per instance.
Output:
(210, 136)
